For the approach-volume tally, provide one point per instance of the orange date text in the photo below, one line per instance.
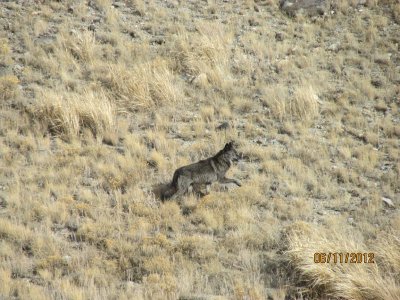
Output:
(340, 257)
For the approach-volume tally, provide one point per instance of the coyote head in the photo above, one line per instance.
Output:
(229, 152)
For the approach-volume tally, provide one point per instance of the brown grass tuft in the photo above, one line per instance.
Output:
(101, 101)
(142, 86)
(69, 113)
(345, 280)
(302, 105)
(8, 87)
(204, 53)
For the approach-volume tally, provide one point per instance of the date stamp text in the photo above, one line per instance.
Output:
(337, 257)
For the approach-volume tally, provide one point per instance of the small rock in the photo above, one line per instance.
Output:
(381, 106)
(72, 225)
(67, 259)
(279, 36)
(157, 40)
(201, 80)
(133, 34)
(383, 59)
(223, 126)
(18, 69)
(350, 220)
(386, 166)
(3, 202)
(152, 163)
(44, 41)
(377, 82)
(53, 195)
(96, 20)
(308, 7)
(253, 22)
(334, 47)
(117, 4)
(388, 201)
(86, 181)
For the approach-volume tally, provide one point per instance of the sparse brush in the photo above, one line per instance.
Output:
(14, 233)
(4, 47)
(8, 87)
(5, 51)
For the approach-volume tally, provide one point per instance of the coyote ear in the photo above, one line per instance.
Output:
(228, 145)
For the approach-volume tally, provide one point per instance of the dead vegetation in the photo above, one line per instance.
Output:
(102, 100)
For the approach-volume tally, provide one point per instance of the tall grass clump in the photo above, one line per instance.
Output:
(68, 113)
(204, 53)
(301, 105)
(8, 87)
(142, 86)
(379, 280)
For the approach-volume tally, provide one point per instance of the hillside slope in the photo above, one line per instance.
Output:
(101, 100)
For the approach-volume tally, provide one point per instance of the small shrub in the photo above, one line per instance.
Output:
(8, 87)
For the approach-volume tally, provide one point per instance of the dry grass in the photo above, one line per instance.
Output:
(73, 112)
(102, 100)
(144, 86)
(302, 106)
(345, 280)
(8, 87)
(203, 54)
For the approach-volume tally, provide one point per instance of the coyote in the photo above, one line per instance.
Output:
(203, 173)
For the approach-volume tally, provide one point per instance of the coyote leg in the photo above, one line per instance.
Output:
(182, 187)
(178, 194)
(200, 190)
(230, 180)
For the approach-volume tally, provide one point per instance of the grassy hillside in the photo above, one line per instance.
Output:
(102, 100)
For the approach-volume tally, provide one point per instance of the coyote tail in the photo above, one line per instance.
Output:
(168, 192)
(163, 191)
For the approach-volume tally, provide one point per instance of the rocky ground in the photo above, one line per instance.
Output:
(102, 100)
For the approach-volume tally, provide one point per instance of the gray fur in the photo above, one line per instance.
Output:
(203, 173)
